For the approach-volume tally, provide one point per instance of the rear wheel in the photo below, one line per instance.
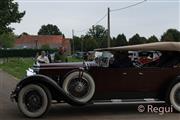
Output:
(174, 96)
(34, 100)
(82, 89)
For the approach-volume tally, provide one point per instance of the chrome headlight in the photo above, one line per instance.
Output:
(30, 72)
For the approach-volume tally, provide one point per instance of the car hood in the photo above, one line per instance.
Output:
(65, 65)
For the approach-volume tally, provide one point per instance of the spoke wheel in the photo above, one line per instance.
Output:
(82, 89)
(34, 100)
(78, 87)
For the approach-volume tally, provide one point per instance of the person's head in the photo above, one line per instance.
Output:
(43, 53)
(61, 49)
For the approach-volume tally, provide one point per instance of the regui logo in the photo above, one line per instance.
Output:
(154, 109)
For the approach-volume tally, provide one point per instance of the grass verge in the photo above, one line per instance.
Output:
(17, 67)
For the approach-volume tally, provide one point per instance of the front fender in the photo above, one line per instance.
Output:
(49, 83)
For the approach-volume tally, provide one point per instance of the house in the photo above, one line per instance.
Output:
(38, 41)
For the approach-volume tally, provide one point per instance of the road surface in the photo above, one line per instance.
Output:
(9, 110)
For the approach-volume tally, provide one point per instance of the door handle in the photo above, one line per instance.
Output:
(140, 73)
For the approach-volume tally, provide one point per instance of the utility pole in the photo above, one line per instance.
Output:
(82, 45)
(108, 25)
(72, 41)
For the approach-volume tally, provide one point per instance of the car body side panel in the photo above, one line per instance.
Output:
(121, 83)
(133, 82)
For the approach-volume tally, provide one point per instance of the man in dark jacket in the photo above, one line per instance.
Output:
(60, 55)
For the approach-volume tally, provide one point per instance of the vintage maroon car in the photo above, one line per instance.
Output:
(111, 77)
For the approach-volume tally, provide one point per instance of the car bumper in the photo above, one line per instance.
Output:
(13, 96)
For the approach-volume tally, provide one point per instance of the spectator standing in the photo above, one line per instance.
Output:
(60, 55)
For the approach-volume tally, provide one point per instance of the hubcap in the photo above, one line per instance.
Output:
(33, 100)
(78, 87)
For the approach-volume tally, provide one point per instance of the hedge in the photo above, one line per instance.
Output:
(5, 53)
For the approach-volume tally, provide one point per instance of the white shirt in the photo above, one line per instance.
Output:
(43, 59)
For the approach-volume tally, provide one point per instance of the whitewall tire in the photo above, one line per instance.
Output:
(34, 100)
(174, 97)
(81, 90)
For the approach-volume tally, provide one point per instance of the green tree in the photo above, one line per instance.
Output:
(99, 34)
(113, 41)
(171, 35)
(9, 13)
(120, 40)
(7, 40)
(77, 43)
(89, 43)
(24, 33)
(49, 30)
(143, 39)
(136, 39)
(152, 39)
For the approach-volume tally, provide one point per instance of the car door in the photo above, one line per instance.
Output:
(127, 83)
(115, 83)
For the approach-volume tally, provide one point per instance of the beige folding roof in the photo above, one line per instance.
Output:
(159, 46)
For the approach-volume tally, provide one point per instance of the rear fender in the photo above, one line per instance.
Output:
(169, 87)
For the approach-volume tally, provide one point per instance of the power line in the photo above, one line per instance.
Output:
(128, 6)
(100, 20)
(93, 24)
(79, 31)
(83, 30)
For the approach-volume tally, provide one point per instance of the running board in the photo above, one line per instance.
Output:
(129, 101)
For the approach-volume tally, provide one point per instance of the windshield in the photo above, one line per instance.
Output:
(103, 58)
(126, 59)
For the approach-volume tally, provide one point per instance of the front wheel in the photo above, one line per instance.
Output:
(34, 100)
(174, 96)
(80, 88)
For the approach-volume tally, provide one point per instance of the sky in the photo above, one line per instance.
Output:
(152, 17)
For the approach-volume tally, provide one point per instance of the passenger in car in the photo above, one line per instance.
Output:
(42, 58)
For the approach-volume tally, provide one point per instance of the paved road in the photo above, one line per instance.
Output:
(9, 111)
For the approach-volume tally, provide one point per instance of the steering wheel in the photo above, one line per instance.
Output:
(137, 64)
